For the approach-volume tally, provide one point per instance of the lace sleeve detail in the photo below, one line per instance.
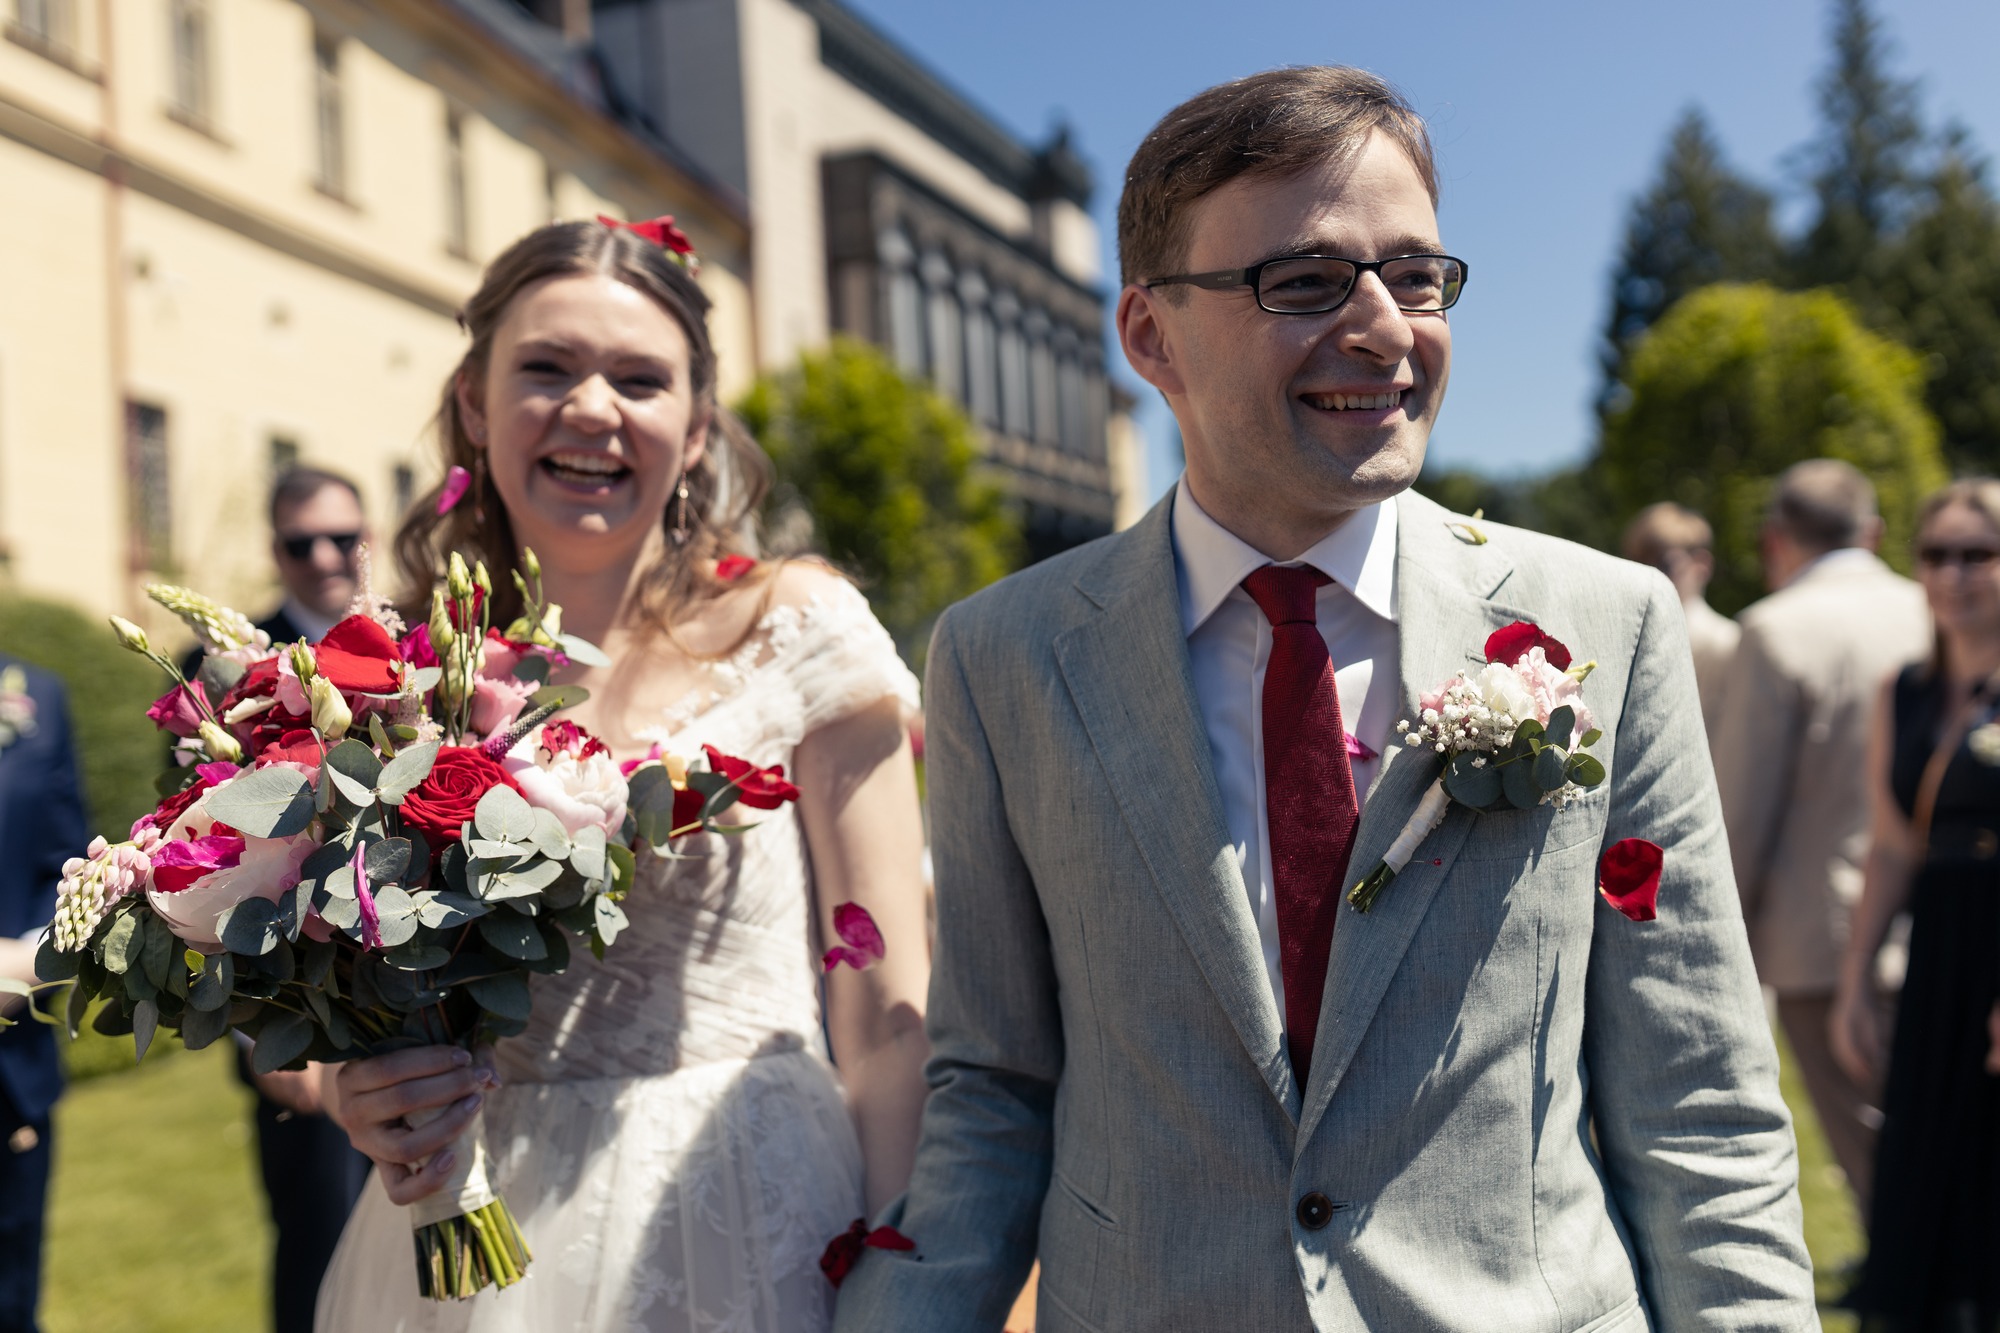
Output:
(843, 660)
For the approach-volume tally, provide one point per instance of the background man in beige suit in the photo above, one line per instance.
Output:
(1791, 759)
(1680, 544)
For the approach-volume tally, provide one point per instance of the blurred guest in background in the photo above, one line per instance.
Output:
(41, 826)
(1934, 769)
(311, 1173)
(1790, 758)
(1679, 543)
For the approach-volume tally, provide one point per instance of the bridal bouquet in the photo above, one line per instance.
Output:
(372, 843)
(1511, 736)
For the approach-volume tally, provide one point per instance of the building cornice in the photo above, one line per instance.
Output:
(859, 52)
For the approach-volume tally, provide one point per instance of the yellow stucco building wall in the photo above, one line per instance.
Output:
(192, 261)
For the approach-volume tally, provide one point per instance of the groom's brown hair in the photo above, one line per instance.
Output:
(1271, 124)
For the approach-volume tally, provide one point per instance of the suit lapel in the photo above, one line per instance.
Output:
(1444, 613)
(1127, 672)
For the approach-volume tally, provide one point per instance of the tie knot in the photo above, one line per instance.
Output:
(1284, 593)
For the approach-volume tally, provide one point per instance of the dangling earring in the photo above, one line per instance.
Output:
(479, 487)
(681, 512)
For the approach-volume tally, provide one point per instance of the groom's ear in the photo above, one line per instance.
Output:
(1144, 331)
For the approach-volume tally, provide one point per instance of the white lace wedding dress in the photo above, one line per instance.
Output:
(669, 1133)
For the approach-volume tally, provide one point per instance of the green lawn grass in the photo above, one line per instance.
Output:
(156, 1221)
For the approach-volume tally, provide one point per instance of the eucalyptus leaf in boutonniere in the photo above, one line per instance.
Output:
(1511, 736)
(17, 707)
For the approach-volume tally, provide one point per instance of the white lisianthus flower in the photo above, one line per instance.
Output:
(564, 770)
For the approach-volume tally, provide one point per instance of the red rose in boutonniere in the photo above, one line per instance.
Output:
(1513, 736)
(1628, 875)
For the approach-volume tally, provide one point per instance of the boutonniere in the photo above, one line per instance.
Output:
(17, 707)
(1510, 737)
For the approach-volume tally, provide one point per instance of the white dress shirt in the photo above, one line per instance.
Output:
(1229, 646)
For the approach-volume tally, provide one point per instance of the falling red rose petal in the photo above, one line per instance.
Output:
(842, 1252)
(1629, 877)
(1508, 646)
(733, 567)
(862, 945)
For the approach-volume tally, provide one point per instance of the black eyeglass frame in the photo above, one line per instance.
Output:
(300, 546)
(1223, 279)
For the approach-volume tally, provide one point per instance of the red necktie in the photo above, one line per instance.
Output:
(1309, 806)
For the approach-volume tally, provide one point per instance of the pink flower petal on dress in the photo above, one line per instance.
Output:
(862, 947)
(456, 483)
(1357, 749)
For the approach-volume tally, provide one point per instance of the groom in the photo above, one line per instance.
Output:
(1170, 1060)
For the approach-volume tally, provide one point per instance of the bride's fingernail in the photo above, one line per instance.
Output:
(470, 1103)
(490, 1077)
(444, 1162)
(461, 1058)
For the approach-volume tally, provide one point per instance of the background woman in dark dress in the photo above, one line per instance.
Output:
(1934, 1233)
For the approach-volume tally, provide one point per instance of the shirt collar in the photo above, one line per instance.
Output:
(313, 625)
(1844, 557)
(1359, 555)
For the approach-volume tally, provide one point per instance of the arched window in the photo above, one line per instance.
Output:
(946, 326)
(982, 371)
(1016, 408)
(1047, 428)
(905, 300)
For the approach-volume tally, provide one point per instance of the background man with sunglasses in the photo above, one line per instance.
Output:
(1169, 1058)
(311, 1173)
(1791, 757)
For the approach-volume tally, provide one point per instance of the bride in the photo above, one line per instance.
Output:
(668, 1130)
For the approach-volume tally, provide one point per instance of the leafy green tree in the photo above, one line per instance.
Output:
(888, 472)
(1738, 382)
(1865, 166)
(1699, 222)
(109, 688)
(1937, 289)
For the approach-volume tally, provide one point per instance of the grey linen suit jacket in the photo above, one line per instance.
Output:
(1791, 755)
(1110, 1090)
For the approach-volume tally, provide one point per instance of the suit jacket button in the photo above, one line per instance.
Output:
(1315, 1210)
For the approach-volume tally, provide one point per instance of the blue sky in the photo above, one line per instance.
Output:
(1548, 117)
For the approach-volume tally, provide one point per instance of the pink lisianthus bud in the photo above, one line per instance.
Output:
(371, 920)
(1553, 688)
(176, 711)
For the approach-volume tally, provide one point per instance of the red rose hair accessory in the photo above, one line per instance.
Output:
(662, 232)
(843, 1250)
(1628, 876)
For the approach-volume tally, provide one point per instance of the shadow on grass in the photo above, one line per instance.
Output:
(1833, 1229)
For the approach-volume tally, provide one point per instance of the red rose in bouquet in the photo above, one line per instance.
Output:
(445, 799)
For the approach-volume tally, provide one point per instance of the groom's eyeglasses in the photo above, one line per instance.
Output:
(301, 546)
(1315, 284)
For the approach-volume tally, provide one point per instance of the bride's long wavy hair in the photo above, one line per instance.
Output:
(726, 488)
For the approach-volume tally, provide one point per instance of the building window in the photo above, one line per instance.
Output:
(47, 24)
(1072, 414)
(905, 302)
(946, 328)
(403, 485)
(149, 513)
(189, 20)
(330, 117)
(1042, 379)
(457, 212)
(284, 455)
(1014, 403)
(982, 377)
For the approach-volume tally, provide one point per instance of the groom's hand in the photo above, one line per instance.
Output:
(373, 1098)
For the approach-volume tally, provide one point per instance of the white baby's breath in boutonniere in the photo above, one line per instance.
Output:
(1511, 736)
(1984, 742)
(17, 707)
